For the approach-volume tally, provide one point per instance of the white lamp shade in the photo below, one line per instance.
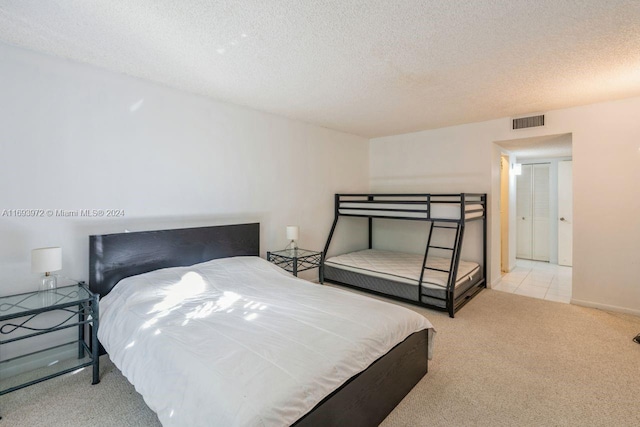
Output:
(292, 232)
(45, 260)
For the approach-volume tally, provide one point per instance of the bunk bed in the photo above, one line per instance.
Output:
(440, 282)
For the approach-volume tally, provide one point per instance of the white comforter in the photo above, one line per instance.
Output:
(238, 341)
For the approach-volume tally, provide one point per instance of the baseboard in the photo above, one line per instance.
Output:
(605, 307)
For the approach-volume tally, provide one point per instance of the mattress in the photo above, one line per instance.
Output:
(414, 210)
(238, 341)
(403, 267)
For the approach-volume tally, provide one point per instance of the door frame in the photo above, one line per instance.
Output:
(568, 222)
(507, 221)
(500, 150)
(505, 169)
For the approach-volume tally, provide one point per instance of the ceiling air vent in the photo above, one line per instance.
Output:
(528, 122)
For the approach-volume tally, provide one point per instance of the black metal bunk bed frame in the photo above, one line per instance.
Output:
(419, 208)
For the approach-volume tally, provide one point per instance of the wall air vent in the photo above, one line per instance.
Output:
(528, 122)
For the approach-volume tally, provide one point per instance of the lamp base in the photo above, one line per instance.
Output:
(292, 246)
(48, 286)
(49, 282)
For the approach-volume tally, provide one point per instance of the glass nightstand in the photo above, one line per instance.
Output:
(22, 317)
(297, 260)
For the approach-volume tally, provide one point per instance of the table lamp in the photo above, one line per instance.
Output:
(46, 260)
(292, 234)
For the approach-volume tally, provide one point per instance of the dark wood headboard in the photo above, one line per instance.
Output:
(112, 257)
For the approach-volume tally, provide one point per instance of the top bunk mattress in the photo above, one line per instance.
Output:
(402, 267)
(414, 210)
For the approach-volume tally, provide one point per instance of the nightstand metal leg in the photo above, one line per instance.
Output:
(94, 339)
(81, 326)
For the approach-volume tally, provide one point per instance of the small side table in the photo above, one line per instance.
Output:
(297, 260)
(21, 313)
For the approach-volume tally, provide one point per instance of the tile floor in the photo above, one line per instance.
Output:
(538, 280)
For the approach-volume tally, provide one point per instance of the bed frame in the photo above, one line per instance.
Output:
(365, 400)
(415, 207)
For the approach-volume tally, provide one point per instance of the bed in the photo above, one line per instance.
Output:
(235, 340)
(428, 279)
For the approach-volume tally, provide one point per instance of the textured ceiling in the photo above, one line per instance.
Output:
(371, 68)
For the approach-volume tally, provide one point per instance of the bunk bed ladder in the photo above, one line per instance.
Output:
(455, 261)
(424, 261)
(453, 266)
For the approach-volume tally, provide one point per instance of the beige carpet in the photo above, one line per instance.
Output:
(505, 360)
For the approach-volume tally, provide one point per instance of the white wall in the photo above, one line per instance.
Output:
(76, 137)
(606, 156)
(444, 160)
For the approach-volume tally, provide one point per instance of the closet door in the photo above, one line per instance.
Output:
(532, 212)
(541, 226)
(524, 227)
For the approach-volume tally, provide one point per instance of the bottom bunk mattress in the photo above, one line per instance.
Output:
(398, 274)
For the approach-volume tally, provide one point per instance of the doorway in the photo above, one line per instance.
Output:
(540, 253)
